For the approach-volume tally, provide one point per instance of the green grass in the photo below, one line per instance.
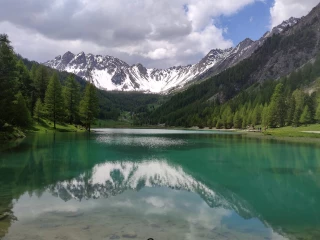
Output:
(45, 126)
(294, 131)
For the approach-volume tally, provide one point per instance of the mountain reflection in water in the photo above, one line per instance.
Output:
(186, 185)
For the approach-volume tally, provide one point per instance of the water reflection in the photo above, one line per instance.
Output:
(222, 187)
(110, 179)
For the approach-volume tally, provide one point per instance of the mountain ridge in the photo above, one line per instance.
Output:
(110, 73)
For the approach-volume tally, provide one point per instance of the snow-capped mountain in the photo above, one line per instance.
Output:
(111, 73)
(244, 50)
(114, 178)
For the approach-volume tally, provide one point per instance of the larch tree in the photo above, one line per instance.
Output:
(237, 121)
(41, 80)
(299, 99)
(72, 99)
(306, 116)
(54, 104)
(8, 80)
(25, 83)
(277, 108)
(89, 106)
(21, 114)
(38, 111)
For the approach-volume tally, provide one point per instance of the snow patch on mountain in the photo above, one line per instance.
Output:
(110, 73)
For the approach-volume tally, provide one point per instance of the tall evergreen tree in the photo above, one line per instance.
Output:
(33, 71)
(21, 116)
(38, 111)
(89, 106)
(277, 108)
(8, 80)
(305, 116)
(237, 121)
(299, 99)
(72, 99)
(256, 115)
(25, 83)
(265, 116)
(53, 100)
(41, 82)
(291, 103)
(227, 117)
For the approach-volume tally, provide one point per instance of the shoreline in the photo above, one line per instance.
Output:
(292, 139)
(312, 136)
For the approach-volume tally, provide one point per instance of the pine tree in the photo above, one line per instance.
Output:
(72, 99)
(305, 116)
(38, 111)
(219, 124)
(299, 98)
(89, 106)
(227, 117)
(33, 94)
(8, 80)
(256, 115)
(33, 72)
(25, 84)
(41, 82)
(291, 103)
(21, 117)
(237, 121)
(244, 123)
(54, 100)
(277, 109)
(265, 116)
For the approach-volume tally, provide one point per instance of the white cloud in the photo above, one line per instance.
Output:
(155, 33)
(284, 9)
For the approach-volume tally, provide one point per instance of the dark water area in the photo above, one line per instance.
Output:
(160, 184)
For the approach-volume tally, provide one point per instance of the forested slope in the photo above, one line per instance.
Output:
(276, 58)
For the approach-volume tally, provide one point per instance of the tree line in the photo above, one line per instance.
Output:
(290, 101)
(28, 95)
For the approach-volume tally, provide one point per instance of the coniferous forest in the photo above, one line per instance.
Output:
(236, 99)
(40, 93)
(290, 101)
(31, 93)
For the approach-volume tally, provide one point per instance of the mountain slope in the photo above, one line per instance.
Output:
(279, 55)
(110, 73)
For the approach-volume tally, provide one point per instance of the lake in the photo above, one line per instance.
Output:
(160, 184)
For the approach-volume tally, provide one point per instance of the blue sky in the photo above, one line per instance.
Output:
(250, 22)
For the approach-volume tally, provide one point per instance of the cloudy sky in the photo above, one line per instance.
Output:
(156, 33)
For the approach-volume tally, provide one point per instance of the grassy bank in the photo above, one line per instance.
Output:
(46, 126)
(301, 132)
(288, 134)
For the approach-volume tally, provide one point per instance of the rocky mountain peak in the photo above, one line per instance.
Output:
(111, 73)
(67, 57)
(284, 25)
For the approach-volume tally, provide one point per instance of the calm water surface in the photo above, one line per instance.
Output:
(164, 184)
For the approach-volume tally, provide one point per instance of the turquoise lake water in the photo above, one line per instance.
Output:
(160, 184)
